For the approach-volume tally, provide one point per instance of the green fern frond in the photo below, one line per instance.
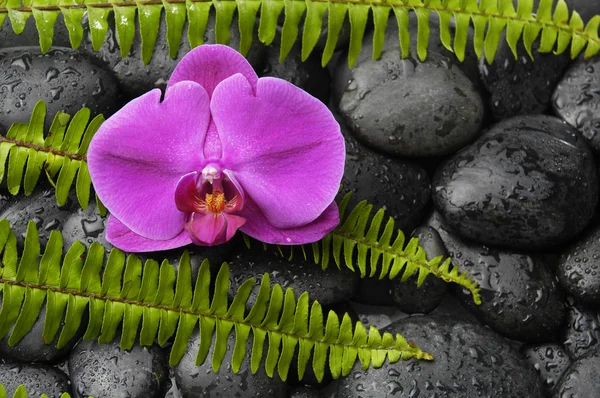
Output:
(165, 304)
(558, 28)
(25, 151)
(351, 243)
(21, 392)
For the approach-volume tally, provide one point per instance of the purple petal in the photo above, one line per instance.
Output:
(125, 239)
(283, 145)
(187, 199)
(259, 228)
(139, 154)
(210, 229)
(209, 65)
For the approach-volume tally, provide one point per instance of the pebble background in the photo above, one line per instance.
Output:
(495, 166)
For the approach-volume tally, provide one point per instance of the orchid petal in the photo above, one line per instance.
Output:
(259, 228)
(210, 65)
(187, 199)
(122, 237)
(285, 147)
(139, 154)
(210, 229)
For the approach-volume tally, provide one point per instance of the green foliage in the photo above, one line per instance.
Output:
(558, 28)
(25, 151)
(352, 244)
(121, 291)
(21, 392)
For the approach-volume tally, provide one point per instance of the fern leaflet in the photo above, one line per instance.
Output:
(21, 392)
(557, 28)
(163, 301)
(25, 151)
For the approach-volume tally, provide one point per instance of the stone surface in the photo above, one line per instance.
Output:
(326, 286)
(577, 99)
(65, 79)
(30, 35)
(102, 370)
(412, 299)
(470, 361)
(137, 78)
(529, 182)
(405, 107)
(550, 361)
(577, 269)
(203, 381)
(520, 296)
(38, 379)
(582, 379)
(521, 86)
(581, 331)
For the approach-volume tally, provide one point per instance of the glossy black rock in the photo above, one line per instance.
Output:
(550, 362)
(65, 79)
(38, 379)
(102, 370)
(582, 379)
(520, 296)
(529, 182)
(581, 331)
(470, 361)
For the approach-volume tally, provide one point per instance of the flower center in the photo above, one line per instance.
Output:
(215, 202)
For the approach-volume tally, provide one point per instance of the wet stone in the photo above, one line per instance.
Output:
(582, 379)
(581, 332)
(102, 370)
(405, 107)
(65, 79)
(326, 286)
(577, 99)
(136, 78)
(400, 187)
(201, 381)
(30, 35)
(529, 182)
(38, 379)
(520, 296)
(577, 270)
(412, 299)
(549, 360)
(521, 86)
(470, 361)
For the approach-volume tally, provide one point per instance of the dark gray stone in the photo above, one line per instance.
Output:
(577, 269)
(65, 79)
(407, 296)
(581, 331)
(520, 296)
(582, 379)
(326, 286)
(30, 35)
(201, 381)
(38, 379)
(137, 78)
(405, 107)
(550, 362)
(529, 182)
(577, 98)
(470, 361)
(102, 370)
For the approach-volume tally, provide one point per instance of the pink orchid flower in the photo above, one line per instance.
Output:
(223, 151)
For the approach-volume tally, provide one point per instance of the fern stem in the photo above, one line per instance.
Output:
(41, 148)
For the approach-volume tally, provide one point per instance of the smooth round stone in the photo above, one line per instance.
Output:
(470, 361)
(102, 370)
(405, 107)
(581, 332)
(521, 86)
(577, 98)
(38, 379)
(137, 79)
(520, 296)
(325, 286)
(582, 379)
(529, 182)
(202, 381)
(400, 187)
(549, 360)
(412, 299)
(65, 79)
(577, 270)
